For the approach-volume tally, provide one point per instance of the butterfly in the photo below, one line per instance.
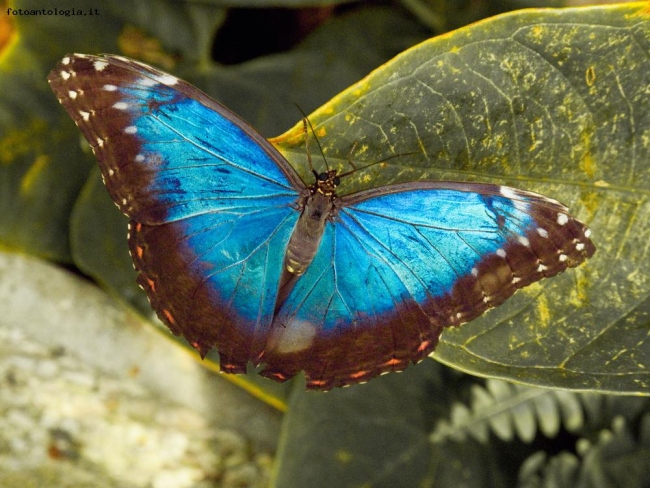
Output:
(237, 253)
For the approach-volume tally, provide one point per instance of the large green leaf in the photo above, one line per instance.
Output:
(554, 101)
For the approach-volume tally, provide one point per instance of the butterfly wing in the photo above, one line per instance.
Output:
(210, 200)
(400, 263)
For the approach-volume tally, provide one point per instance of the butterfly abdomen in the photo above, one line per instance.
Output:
(307, 234)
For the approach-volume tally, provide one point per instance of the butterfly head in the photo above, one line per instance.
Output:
(327, 182)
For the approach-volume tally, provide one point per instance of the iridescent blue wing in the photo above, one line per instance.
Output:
(400, 263)
(210, 199)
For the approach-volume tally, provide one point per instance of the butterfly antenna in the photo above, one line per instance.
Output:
(306, 130)
(307, 127)
(355, 168)
(306, 123)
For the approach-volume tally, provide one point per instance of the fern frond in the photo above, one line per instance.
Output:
(510, 410)
(618, 458)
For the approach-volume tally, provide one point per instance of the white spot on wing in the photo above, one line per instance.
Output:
(139, 158)
(148, 82)
(84, 115)
(501, 253)
(587, 233)
(297, 336)
(100, 65)
(109, 87)
(542, 232)
(65, 60)
(541, 268)
(580, 246)
(72, 94)
(120, 105)
(100, 142)
(563, 257)
(65, 75)
(516, 199)
(507, 192)
(562, 219)
(132, 129)
(168, 79)
(523, 241)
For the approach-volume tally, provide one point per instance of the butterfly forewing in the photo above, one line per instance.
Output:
(210, 200)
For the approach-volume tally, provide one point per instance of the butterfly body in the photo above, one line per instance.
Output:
(236, 252)
(316, 208)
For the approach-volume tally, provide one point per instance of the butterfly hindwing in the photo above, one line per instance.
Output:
(401, 263)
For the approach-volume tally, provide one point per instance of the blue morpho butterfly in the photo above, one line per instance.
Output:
(236, 252)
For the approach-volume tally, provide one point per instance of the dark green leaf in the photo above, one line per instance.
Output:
(370, 435)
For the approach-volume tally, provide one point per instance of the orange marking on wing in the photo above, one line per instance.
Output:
(170, 317)
(392, 362)
(150, 284)
(359, 374)
(279, 376)
(423, 347)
